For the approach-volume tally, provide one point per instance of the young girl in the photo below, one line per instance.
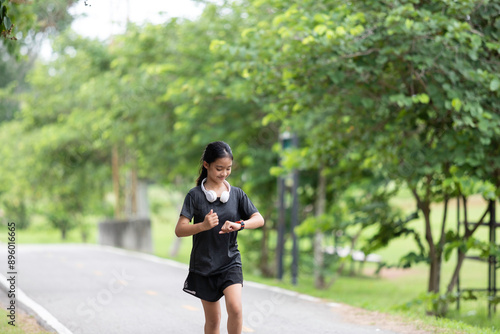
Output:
(219, 211)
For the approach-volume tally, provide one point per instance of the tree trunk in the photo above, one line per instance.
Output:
(354, 240)
(133, 190)
(131, 200)
(63, 232)
(319, 277)
(442, 240)
(85, 236)
(454, 278)
(115, 169)
(434, 257)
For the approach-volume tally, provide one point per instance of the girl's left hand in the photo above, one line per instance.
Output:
(229, 227)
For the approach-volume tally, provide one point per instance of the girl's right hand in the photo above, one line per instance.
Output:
(211, 220)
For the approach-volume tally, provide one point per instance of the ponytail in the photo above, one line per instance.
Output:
(213, 151)
(203, 175)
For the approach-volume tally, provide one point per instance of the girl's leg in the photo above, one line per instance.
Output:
(212, 316)
(234, 308)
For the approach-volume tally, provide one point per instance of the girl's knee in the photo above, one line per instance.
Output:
(235, 309)
(213, 322)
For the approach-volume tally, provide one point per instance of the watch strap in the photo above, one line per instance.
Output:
(242, 223)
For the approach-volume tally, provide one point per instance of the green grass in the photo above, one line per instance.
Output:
(39, 232)
(22, 325)
(370, 292)
(391, 296)
(4, 325)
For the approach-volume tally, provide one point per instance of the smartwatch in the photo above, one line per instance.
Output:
(242, 223)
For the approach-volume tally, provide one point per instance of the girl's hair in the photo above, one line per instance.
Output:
(213, 151)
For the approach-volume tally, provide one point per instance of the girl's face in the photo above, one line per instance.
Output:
(218, 170)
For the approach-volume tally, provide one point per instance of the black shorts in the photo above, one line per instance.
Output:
(210, 288)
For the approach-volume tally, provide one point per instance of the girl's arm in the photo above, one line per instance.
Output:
(256, 220)
(185, 229)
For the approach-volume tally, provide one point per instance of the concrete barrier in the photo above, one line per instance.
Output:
(133, 234)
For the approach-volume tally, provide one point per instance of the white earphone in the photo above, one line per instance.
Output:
(212, 196)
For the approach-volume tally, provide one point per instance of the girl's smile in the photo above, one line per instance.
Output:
(218, 171)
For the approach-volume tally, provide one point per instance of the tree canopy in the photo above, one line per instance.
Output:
(382, 95)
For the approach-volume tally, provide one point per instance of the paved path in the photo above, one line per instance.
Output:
(93, 289)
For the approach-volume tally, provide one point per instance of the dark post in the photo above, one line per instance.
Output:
(285, 143)
(295, 222)
(458, 252)
(281, 227)
(492, 261)
(492, 277)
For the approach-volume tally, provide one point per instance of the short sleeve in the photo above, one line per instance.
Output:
(188, 207)
(246, 206)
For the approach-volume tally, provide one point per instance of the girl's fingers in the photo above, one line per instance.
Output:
(226, 228)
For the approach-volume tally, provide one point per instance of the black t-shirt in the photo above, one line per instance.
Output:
(212, 252)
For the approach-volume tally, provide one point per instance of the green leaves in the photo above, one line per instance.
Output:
(320, 29)
(405, 101)
(5, 21)
(494, 84)
(404, 93)
(456, 104)
(379, 96)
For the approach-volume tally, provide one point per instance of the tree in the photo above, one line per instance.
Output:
(5, 21)
(23, 27)
(152, 97)
(408, 87)
(58, 154)
(23, 23)
(34, 23)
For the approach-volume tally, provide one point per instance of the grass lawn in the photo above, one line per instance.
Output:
(393, 291)
(24, 324)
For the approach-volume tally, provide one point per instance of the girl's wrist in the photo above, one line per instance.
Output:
(242, 224)
(203, 226)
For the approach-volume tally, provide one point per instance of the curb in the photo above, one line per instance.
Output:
(44, 317)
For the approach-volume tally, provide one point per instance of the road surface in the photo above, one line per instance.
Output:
(91, 289)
